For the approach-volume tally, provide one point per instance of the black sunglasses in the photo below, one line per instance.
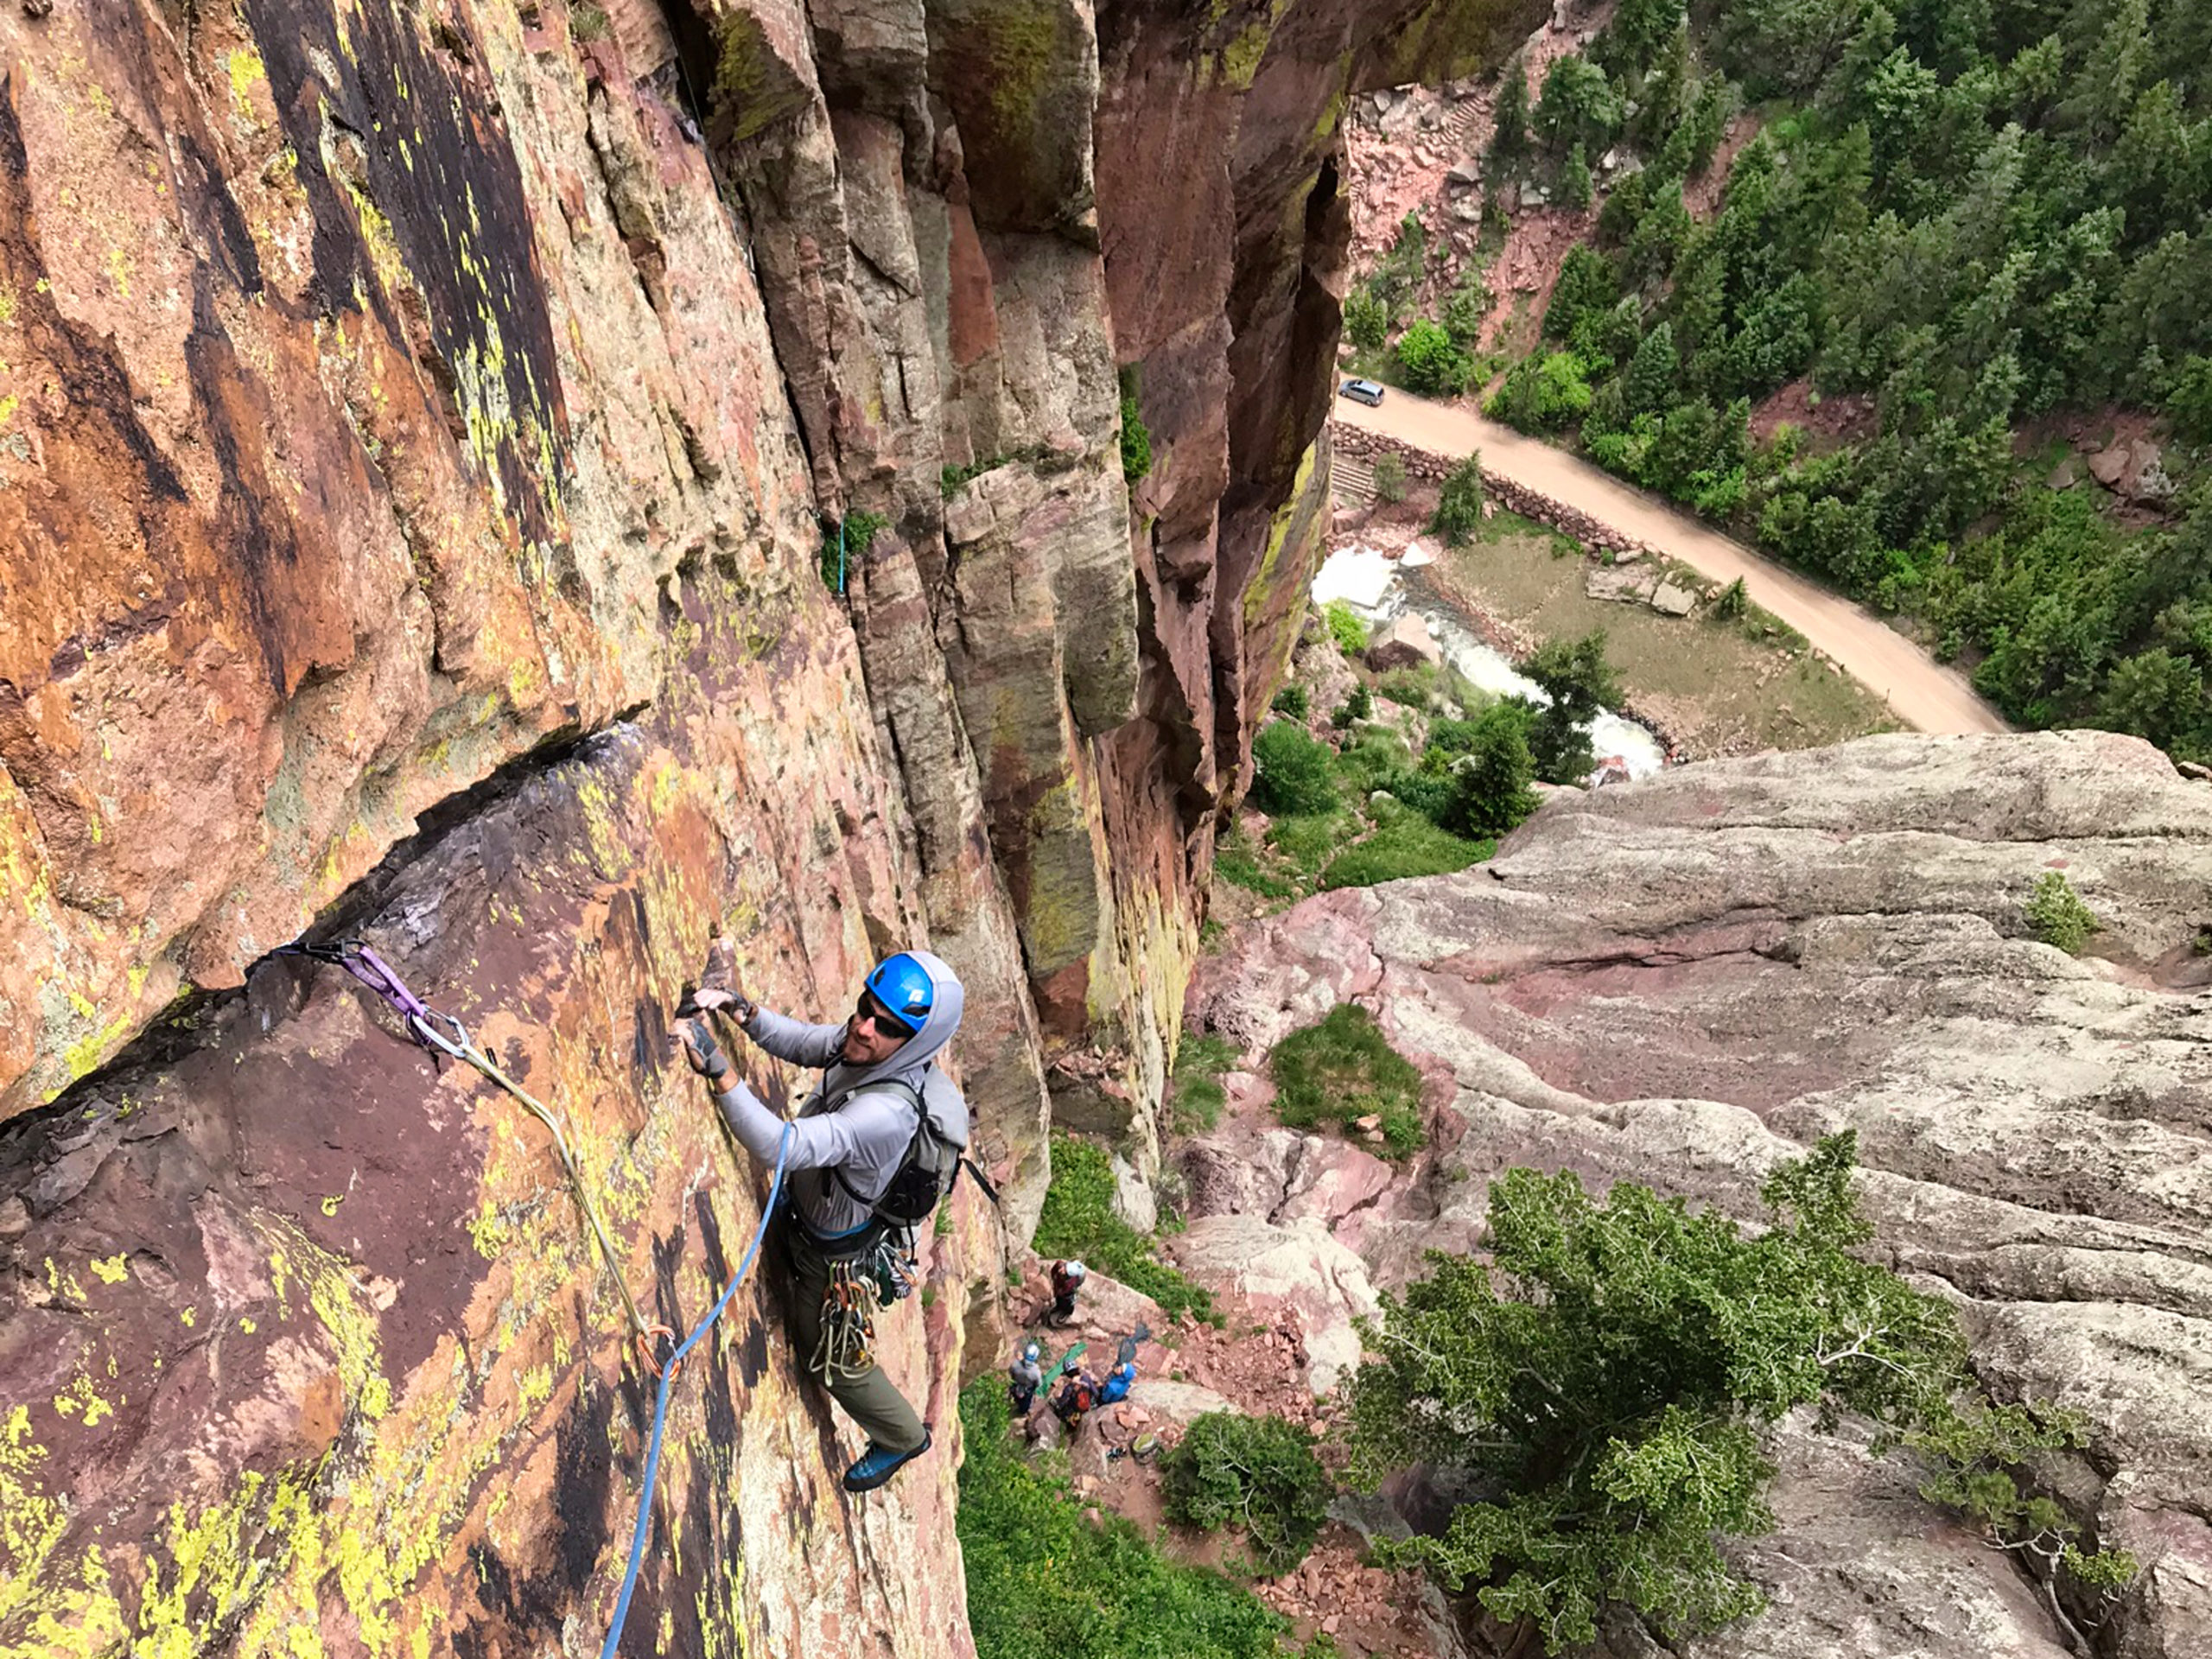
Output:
(880, 1017)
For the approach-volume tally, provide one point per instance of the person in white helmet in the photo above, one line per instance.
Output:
(1024, 1377)
(1067, 1279)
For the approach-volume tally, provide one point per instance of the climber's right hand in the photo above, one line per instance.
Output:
(705, 1053)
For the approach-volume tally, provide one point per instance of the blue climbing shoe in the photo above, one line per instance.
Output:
(877, 1465)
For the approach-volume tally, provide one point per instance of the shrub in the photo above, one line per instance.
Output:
(1488, 790)
(1291, 770)
(1543, 394)
(1430, 364)
(1344, 1069)
(1390, 477)
(1733, 603)
(1458, 513)
(1430, 794)
(1399, 272)
(1357, 705)
(845, 544)
(2057, 914)
(1195, 1095)
(1467, 310)
(1308, 839)
(1604, 1482)
(1408, 845)
(1079, 1220)
(1345, 627)
(1234, 862)
(1367, 319)
(1257, 1474)
(1044, 1579)
(1136, 440)
(1411, 687)
(589, 23)
(1292, 701)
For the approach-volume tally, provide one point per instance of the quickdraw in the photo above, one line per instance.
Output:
(848, 1304)
(443, 1035)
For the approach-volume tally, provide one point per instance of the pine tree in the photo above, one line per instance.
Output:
(1649, 382)
(1511, 140)
(1575, 190)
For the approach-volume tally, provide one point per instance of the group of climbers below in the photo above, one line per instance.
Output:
(863, 1160)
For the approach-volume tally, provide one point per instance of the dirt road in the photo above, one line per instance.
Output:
(1920, 692)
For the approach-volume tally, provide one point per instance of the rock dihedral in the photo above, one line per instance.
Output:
(416, 430)
(1684, 983)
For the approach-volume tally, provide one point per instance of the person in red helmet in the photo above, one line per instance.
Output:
(854, 1138)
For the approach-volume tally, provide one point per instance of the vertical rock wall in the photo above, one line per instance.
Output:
(419, 427)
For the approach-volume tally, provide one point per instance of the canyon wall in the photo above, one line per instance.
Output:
(421, 430)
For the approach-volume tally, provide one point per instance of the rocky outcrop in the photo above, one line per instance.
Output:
(419, 429)
(1684, 981)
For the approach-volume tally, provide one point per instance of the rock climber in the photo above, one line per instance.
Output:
(1067, 1279)
(848, 1142)
(1115, 1388)
(1076, 1396)
(1024, 1377)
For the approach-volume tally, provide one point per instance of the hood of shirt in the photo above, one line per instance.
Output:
(905, 1065)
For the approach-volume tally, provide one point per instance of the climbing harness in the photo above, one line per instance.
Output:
(643, 1527)
(443, 1035)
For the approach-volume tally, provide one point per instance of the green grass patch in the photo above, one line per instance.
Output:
(1342, 1070)
(1043, 1580)
(1079, 1220)
(1195, 1095)
(1236, 861)
(1407, 845)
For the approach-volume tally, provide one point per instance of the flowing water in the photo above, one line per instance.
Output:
(1377, 590)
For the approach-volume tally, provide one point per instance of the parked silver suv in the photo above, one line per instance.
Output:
(1361, 392)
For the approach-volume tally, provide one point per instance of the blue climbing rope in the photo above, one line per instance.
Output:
(660, 1402)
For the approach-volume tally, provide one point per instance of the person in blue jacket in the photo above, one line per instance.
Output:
(1115, 1388)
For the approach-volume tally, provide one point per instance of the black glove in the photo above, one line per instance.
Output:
(705, 1053)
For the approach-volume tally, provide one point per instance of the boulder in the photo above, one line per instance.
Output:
(1672, 599)
(2109, 466)
(1332, 1179)
(1133, 1200)
(1180, 1403)
(1296, 1267)
(1405, 642)
(1628, 586)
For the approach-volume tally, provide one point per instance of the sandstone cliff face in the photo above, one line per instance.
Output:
(396, 398)
(1686, 982)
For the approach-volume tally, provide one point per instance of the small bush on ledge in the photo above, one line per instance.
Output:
(2057, 915)
(1257, 1474)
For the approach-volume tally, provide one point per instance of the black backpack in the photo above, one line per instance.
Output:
(934, 1157)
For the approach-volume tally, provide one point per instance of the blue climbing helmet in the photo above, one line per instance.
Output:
(902, 986)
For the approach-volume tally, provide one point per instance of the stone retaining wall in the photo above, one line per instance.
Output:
(1514, 497)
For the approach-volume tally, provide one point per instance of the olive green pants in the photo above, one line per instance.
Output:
(869, 1399)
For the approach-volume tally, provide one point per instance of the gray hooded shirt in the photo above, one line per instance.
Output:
(846, 1125)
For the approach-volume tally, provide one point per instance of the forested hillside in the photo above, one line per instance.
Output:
(1964, 218)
